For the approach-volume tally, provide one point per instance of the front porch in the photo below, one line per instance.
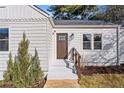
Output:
(62, 74)
(62, 69)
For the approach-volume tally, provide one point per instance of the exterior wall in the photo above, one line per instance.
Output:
(121, 45)
(39, 30)
(106, 56)
(21, 19)
(49, 42)
(19, 12)
(36, 32)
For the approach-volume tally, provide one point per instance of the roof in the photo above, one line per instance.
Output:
(39, 10)
(76, 23)
(71, 22)
(80, 22)
(43, 12)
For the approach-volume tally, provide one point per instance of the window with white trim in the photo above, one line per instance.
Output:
(4, 39)
(97, 41)
(86, 41)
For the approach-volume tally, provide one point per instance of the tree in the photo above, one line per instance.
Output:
(35, 72)
(113, 13)
(110, 13)
(17, 79)
(8, 75)
(23, 55)
(24, 70)
(68, 12)
(36, 69)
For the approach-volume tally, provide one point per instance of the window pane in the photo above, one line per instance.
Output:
(4, 39)
(97, 45)
(62, 37)
(86, 45)
(86, 37)
(97, 37)
(97, 41)
(4, 45)
(3, 33)
(86, 41)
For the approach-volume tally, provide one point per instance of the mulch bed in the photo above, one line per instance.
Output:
(39, 84)
(7, 85)
(90, 70)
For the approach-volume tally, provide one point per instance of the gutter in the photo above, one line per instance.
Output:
(51, 22)
(85, 26)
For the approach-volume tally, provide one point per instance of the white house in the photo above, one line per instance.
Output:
(99, 43)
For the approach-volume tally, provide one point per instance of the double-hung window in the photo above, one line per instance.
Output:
(97, 41)
(92, 41)
(86, 41)
(4, 39)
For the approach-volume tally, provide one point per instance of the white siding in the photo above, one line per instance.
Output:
(49, 42)
(106, 56)
(37, 35)
(121, 45)
(19, 12)
(21, 19)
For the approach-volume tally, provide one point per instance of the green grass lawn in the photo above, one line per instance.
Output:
(102, 81)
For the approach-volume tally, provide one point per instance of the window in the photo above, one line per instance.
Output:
(97, 41)
(86, 41)
(4, 39)
(62, 37)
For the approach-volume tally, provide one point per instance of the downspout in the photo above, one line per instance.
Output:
(117, 45)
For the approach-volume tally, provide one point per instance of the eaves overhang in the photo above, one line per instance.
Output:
(85, 26)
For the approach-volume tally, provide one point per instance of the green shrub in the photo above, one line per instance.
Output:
(8, 75)
(25, 70)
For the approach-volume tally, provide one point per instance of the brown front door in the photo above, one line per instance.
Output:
(62, 45)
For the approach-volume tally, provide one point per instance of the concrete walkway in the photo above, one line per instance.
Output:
(62, 84)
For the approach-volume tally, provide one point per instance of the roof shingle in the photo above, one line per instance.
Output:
(80, 22)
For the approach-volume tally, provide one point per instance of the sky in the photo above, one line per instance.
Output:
(45, 7)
